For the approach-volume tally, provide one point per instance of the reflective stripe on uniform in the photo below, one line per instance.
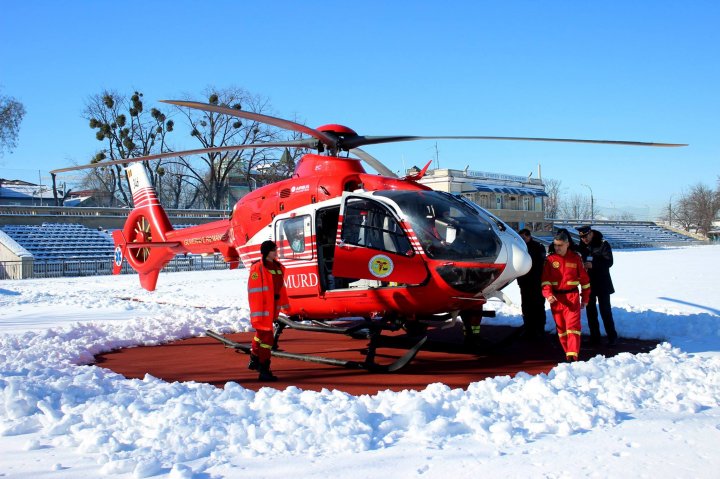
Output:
(258, 290)
(275, 271)
(585, 286)
(261, 344)
(546, 283)
(570, 331)
(260, 313)
(570, 353)
(573, 283)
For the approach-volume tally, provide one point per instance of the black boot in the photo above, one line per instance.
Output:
(265, 373)
(254, 363)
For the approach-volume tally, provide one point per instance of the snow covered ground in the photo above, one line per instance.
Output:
(651, 415)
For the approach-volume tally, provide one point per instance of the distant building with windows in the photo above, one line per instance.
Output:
(517, 200)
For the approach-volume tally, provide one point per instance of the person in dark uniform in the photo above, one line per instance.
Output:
(598, 258)
(533, 301)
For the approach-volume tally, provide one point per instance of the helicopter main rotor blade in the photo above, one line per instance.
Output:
(354, 142)
(307, 143)
(374, 162)
(270, 120)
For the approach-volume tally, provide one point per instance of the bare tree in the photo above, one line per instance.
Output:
(683, 213)
(703, 207)
(128, 131)
(575, 207)
(178, 187)
(11, 115)
(212, 172)
(552, 202)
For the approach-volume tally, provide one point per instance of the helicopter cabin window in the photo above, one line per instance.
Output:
(370, 224)
(446, 227)
(292, 234)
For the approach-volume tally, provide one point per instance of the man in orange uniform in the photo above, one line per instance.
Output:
(266, 295)
(562, 274)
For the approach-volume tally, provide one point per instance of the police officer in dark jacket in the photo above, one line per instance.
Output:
(598, 258)
(533, 302)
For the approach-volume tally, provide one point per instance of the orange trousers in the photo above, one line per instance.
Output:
(262, 344)
(566, 313)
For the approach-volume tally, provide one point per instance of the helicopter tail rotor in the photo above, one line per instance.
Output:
(142, 241)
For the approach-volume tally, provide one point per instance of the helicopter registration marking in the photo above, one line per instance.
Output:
(380, 266)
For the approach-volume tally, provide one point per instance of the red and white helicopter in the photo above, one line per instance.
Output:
(354, 244)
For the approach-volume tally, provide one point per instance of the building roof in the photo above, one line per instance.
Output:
(509, 190)
(17, 189)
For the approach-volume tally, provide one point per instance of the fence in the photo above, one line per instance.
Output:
(75, 267)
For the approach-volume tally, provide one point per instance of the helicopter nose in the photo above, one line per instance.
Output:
(519, 259)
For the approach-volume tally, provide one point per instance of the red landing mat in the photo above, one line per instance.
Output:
(443, 358)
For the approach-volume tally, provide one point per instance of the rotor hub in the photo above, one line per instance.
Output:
(338, 130)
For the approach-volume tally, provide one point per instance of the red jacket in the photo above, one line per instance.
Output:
(265, 302)
(561, 274)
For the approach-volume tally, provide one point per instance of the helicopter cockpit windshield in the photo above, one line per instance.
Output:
(446, 227)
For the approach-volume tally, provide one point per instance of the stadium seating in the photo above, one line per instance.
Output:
(60, 241)
(62, 249)
(632, 235)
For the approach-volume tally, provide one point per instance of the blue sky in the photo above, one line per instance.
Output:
(642, 70)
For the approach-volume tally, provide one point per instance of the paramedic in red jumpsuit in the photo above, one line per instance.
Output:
(266, 295)
(562, 274)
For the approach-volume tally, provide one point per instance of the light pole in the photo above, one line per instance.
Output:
(592, 204)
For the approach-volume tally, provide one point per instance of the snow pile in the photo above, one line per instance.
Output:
(49, 395)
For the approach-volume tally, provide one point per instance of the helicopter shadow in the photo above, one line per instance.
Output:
(687, 303)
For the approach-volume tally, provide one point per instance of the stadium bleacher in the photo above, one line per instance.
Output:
(632, 235)
(62, 241)
(69, 249)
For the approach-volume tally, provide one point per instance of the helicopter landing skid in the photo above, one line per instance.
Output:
(357, 330)
(369, 364)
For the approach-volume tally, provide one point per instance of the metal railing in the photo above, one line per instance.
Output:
(80, 267)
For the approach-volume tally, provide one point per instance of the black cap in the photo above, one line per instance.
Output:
(266, 247)
(583, 230)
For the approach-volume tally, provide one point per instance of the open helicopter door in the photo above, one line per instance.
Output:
(371, 243)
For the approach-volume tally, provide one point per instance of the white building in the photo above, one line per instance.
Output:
(517, 200)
